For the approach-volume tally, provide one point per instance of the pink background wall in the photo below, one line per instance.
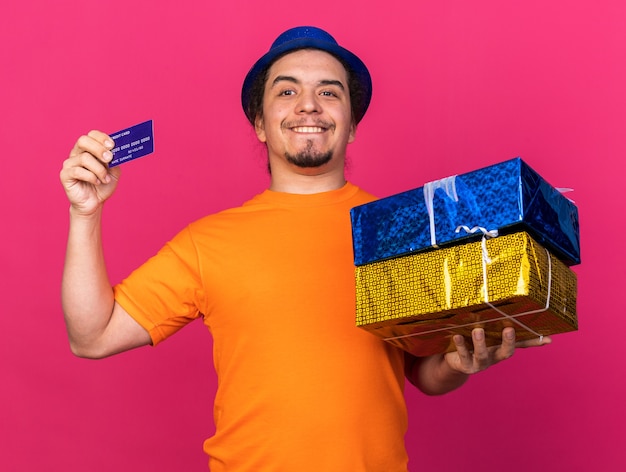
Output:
(458, 85)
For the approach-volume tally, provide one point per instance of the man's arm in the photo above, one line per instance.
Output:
(97, 326)
(442, 373)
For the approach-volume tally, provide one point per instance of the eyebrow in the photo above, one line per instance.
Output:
(288, 78)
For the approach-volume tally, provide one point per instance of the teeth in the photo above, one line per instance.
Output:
(308, 129)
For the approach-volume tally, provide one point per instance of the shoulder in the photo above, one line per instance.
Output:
(362, 196)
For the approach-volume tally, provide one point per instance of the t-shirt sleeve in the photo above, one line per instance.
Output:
(164, 294)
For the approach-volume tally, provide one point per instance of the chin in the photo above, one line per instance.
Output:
(307, 159)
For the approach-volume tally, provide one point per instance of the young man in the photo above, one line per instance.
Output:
(299, 386)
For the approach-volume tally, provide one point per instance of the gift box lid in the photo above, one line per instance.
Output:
(508, 197)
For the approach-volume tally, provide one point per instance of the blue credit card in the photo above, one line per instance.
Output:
(132, 143)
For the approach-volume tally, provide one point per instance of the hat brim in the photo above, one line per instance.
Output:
(357, 69)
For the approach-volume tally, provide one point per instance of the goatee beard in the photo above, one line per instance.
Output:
(308, 158)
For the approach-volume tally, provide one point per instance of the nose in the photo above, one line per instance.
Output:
(308, 102)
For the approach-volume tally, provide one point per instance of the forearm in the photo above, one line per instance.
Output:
(433, 375)
(87, 295)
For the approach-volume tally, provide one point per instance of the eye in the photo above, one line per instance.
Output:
(328, 93)
(287, 92)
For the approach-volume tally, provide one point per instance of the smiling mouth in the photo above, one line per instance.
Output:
(308, 129)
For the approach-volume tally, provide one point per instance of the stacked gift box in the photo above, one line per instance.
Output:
(490, 248)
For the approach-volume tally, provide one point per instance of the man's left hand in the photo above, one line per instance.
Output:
(470, 361)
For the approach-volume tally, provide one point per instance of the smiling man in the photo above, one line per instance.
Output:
(299, 386)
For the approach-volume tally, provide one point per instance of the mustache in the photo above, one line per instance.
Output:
(308, 122)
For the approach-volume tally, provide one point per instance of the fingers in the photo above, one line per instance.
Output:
(84, 168)
(465, 355)
(96, 143)
(473, 359)
(507, 348)
(535, 342)
(89, 158)
(481, 352)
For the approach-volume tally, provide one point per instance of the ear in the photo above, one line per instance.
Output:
(352, 132)
(259, 128)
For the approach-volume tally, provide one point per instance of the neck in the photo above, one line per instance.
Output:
(306, 181)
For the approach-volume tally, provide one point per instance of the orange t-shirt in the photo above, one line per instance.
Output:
(300, 387)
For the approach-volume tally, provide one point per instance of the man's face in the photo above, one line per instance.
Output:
(307, 120)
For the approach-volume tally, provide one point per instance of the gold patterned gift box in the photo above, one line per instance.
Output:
(418, 302)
